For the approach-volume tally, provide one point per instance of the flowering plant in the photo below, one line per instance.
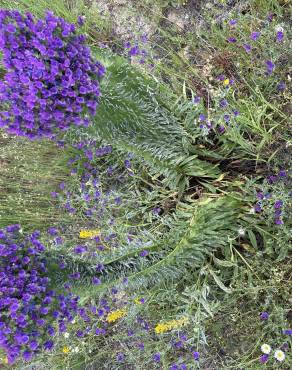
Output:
(51, 80)
(28, 307)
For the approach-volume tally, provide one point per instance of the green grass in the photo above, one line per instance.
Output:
(29, 172)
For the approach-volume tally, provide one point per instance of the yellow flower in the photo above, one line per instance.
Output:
(170, 325)
(115, 315)
(88, 234)
(226, 82)
(66, 350)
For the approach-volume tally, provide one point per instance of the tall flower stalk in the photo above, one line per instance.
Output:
(52, 83)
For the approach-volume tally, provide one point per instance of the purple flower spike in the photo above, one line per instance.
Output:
(51, 80)
(26, 299)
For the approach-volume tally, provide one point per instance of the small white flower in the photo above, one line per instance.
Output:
(279, 28)
(241, 231)
(66, 335)
(252, 211)
(76, 349)
(279, 355)
(73, 321)
(266, 348)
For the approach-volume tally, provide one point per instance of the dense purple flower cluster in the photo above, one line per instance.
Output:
(51, 80)
(29, 310)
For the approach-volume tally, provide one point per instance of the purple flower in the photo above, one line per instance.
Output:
(247, 48)
(202, 117)
(287, 331)
(221, 129)
(144, 253)
(134, 51)
(174, 367)
(270, 67)
(278, 221)
(223, 103)
(255, 35)
(52, 231)
(127, 45)
(156, 357)
(278, 204)
(100, 331)
(264, 358)
(48, 345)
(232, 40)
(282, 173)
(144, 38)
(226, 117)
(79, 249)
(278, 212)
(272, 179)
(120, 357)
(232, 22)
(141, 346)
(280, 36)
(27, 355)
(197, 99)
(264, 315)
(96, 281)
(196, 355)
(80, 20)
(281, 86)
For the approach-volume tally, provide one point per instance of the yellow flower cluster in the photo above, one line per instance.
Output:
(88, 234)
(170, 325)
(115, 315)
(226, 82)
(66, 350)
